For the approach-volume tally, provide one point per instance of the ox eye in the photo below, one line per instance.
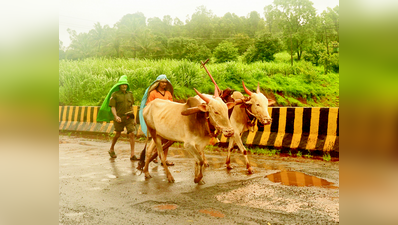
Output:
(257, 104)
(216, 113)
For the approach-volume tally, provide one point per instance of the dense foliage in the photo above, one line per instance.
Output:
(289, 25)
(86, 82)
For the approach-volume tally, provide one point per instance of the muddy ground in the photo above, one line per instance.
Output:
(95, 189)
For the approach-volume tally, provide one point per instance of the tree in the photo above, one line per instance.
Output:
(129, 28)
(297, 20)
(112, 41)
(264, 48)
(81, 45)
(196, 53)
(313, 54)
(242, 42)
(254, 23)
(225, 52)
(178, 28)
(177, 47)
(329, 21)
(200, 26)
(97, 35)
(145, 43)
(225, 26)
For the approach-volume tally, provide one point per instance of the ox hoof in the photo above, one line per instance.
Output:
(147, 176)
(198, 181)
(170, 179)
(140, 166)
(250, 171)
(229, 166)
(201, 182)
(206, 164)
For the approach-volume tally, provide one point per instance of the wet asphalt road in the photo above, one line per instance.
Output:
(95, 189)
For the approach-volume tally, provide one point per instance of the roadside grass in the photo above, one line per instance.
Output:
(211, 147)
(178, 144)
(87, 82)
(264, 151)
(308, 155)
(142, 138)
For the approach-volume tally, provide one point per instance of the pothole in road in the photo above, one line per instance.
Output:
(293, 178)
(165, 207)
(212, 213)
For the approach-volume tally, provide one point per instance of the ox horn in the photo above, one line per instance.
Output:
(246, 90)
(207, 100)
(258, 88)
(190, 111)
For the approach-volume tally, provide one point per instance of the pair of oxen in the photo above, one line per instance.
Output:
(199, 120)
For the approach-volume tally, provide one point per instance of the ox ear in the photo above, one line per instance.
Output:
(271, 102)
(203, 108)
(230, 105)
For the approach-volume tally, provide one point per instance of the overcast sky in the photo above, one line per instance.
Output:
(80, 15)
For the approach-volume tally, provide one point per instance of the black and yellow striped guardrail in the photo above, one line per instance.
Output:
(292, 127)
(84, 118)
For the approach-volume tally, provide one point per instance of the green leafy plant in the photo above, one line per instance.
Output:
(299, 154)
(111, 135)
(308, 155)
(290, 153)
(326, 157)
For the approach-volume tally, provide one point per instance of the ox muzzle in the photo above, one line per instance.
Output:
(266, 121)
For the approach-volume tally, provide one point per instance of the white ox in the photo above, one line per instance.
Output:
(243, 118)
(189, 123)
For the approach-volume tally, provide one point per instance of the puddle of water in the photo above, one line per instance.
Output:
(293, 178)
(165, 207)
(212, 213)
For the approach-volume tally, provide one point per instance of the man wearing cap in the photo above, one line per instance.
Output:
(118, 106)
(160, 88)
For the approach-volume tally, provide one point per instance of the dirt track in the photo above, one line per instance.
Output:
(94, 189)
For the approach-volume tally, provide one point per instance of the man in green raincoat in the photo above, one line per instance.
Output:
(118, 106)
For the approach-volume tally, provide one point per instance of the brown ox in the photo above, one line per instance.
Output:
(188, 123)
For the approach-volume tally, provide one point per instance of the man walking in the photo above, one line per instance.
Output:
(160, 88)
(118, 106)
